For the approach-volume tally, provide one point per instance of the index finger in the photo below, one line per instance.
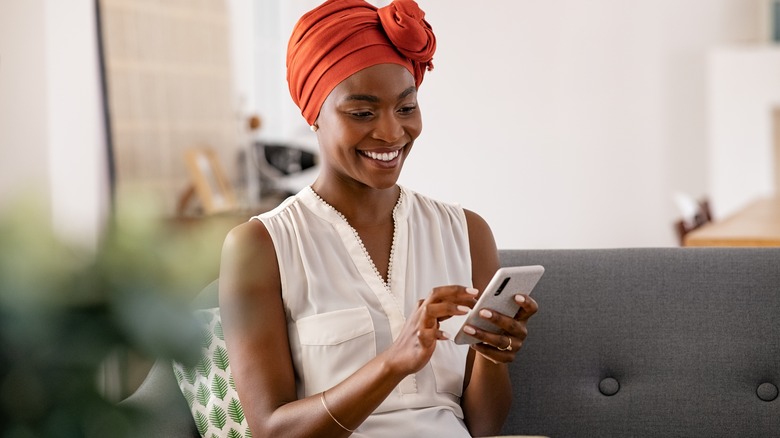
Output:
(454, 294)
(447, 301)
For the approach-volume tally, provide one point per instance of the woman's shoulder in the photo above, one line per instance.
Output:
(256, 241)
(249, 240)
(248, 266)
(475, 221)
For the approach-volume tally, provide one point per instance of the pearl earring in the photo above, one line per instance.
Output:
(314, 128)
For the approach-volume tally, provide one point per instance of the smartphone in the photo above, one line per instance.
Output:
(499, 295)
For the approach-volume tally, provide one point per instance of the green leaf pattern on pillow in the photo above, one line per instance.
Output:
(208, 386)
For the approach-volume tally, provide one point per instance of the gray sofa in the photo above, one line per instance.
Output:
(643, 342)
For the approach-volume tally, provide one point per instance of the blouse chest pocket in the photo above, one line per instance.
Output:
(333, 346)
(449, 360)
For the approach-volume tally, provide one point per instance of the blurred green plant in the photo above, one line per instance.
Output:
(64, 310)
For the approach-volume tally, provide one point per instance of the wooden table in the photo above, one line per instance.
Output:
(758, 224)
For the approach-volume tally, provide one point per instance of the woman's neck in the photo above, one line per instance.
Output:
(360, 205)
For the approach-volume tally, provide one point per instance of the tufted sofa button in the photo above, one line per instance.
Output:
(609, 386)
(767, 392)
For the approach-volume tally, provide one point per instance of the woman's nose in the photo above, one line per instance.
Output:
(388, 129)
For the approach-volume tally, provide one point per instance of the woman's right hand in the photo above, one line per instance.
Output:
(415, 345)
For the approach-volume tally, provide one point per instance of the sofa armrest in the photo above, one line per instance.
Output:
(159, 400)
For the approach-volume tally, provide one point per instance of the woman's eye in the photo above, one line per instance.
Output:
(361, 114)
(407, 109)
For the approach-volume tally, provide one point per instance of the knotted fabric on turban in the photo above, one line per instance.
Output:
(341, 37)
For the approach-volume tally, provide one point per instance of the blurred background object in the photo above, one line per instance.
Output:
(168, 84)
(772, 20)
(281, 169)
(71, 320)
(693, 214)
(208, 181)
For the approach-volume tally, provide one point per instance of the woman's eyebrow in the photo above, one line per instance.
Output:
(407, 92)
(374, 99)
(364, 97)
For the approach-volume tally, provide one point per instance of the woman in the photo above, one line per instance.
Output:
(338, 306)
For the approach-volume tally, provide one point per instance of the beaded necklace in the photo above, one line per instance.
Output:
(360, 241)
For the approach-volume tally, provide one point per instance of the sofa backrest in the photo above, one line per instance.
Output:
(650, 342)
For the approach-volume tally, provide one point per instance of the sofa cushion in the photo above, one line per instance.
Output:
(208, 386)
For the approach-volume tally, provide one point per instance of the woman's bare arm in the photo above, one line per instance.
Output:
(488, 394)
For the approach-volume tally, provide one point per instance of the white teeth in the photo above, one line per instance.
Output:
(386, 156)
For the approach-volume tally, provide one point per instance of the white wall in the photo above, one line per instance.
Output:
(570, 123)
(273, 22)
(51, 127)
(23, 114)
(243, 42)
(78, 168)
(744, 87)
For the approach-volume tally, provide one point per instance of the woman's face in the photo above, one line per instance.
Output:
(367, 126)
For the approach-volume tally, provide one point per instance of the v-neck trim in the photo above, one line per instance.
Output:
(391, 296)
(335, 217)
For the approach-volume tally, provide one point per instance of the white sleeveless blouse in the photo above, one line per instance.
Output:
(341, 313)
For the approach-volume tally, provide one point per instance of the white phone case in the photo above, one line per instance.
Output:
(499, 296)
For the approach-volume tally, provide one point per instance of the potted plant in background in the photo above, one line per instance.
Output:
(64, 311)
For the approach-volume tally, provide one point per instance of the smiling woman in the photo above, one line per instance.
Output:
(354, 284)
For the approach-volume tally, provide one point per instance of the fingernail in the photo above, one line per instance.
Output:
(463, 309)
(520, 299)
(471, 291)
(445, 335)
(486, 313)
(469, 329)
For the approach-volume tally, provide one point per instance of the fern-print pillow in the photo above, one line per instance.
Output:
(208, 386)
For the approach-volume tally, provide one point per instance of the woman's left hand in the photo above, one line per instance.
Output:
(502, 347)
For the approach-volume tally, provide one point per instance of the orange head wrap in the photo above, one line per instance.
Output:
(341, 37)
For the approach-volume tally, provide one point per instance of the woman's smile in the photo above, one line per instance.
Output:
(385, 159)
